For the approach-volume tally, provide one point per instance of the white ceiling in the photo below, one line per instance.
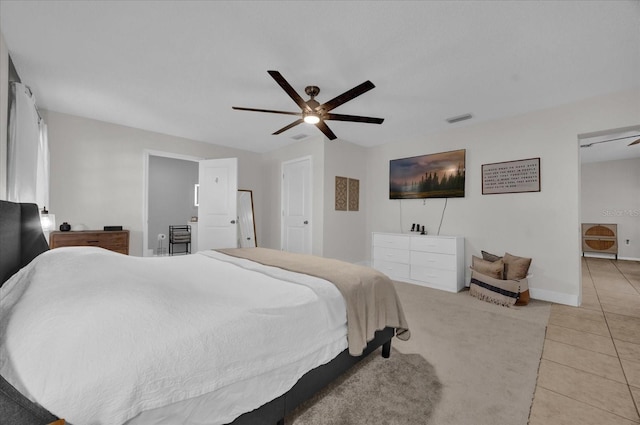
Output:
(178, 67)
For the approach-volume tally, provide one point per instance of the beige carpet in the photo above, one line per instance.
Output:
(476, 364)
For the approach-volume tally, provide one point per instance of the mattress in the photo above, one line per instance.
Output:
(192, 339)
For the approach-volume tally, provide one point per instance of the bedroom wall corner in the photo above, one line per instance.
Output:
(97, 171)
(271, 175)
(542, 225)
(4, 114)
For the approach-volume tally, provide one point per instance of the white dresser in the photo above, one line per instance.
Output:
(433, 261)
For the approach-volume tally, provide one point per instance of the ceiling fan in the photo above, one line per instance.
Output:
(313, 112)
(588, 145)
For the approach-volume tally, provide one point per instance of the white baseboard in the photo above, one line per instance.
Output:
(554, 297)
(609, 256)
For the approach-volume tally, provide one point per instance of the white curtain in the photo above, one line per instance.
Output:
(27, 150)
(42, 177)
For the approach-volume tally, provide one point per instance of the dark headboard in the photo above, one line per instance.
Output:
(21, 240)
(21, 237)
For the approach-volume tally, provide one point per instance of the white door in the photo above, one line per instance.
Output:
(218, 180)
(296, 206)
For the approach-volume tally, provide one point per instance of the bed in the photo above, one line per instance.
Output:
(217, 337)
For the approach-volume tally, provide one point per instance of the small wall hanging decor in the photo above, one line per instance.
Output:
(341, 193)
(511, 176)
(347, 194)
(354, 194)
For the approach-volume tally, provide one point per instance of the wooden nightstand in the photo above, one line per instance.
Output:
(117, 240)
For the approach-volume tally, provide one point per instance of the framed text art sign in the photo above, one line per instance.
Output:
(511, 176)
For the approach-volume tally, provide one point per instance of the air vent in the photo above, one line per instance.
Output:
(300, 136)
(459, 118)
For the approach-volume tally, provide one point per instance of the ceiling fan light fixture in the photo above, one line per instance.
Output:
(311, 118)
(312, 112)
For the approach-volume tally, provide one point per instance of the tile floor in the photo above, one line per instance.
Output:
(590, 367)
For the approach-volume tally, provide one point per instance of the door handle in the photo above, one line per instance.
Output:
(306, 222)
(233, 222)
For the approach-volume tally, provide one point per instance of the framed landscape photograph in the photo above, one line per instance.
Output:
(438, 175)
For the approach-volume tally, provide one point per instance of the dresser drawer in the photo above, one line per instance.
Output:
(391, 254)
(433, 260)
(431, 244)
(391, 241)
(427, 260)
(117, 241)
(391, 269)
(436, 277)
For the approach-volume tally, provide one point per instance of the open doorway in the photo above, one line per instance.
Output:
(169, 187)
(610, 193)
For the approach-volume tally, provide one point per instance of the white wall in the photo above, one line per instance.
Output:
(542, 225)
(4, 100)
(611, 194)
(336, 234)
(345, 232)
(97, 171)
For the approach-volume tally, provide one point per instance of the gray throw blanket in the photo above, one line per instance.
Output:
(371, 299)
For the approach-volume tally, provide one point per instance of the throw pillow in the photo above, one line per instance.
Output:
(490, 257)
(494, 269)
(516, 267)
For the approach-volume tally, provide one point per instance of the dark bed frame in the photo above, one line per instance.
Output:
(21, 240)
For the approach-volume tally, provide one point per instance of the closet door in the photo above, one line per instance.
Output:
(296, 206)
(217, 210)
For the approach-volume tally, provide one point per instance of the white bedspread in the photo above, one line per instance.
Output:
(98, 337)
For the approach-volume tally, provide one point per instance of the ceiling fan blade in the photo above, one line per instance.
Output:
(293, 124)
(326, 130)
(346, 96)
(290, 90)
(355, 118)
(266, 110)
(634, 143)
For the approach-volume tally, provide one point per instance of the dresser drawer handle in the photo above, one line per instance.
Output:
(93, 241)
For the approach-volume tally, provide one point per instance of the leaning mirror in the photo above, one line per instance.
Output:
(246, 223)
